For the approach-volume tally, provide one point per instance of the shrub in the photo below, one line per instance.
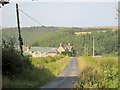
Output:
(48, 59)
(68, 53)
(12, 61)
(99, 72)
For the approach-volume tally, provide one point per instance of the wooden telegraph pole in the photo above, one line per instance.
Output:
(93, 46)
(20, 38)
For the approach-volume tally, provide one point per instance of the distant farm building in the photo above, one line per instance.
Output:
(65, 49)
(41, 51)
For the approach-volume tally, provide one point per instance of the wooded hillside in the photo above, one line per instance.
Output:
(106, 39)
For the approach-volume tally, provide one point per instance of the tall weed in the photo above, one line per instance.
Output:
(100, 72)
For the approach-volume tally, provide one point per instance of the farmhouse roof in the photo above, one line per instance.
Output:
(43, 49)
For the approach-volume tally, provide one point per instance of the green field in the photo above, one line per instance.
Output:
(98, 72)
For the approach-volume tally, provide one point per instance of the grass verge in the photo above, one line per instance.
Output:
(43, 71)
(98, 72)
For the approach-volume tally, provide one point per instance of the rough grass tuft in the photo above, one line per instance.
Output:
(97, 72)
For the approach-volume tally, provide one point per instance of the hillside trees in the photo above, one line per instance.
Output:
(106, 40)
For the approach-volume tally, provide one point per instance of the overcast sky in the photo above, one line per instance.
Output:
(65, 14)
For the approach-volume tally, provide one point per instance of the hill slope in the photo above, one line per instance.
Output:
(105, 42)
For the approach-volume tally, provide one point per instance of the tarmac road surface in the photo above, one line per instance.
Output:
(67, 78)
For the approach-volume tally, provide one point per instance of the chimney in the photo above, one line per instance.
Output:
(60, 44)
(69, 44)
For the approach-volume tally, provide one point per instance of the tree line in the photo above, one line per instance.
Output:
(105, 39)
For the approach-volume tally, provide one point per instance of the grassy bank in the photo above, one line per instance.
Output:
(42, 72)
(98, 72)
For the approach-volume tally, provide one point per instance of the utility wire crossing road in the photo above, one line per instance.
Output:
(67, 78)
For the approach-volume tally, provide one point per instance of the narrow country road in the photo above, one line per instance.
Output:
(67, 78)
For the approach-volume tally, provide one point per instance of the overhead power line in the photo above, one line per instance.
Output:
(31, 17)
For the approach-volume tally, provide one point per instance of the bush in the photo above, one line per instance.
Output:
(97, 72)
(68, 53)
(52, 59)
(12, 61)
(48, 59)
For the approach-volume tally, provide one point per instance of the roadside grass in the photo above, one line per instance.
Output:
(98, 72)
(43, 71)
